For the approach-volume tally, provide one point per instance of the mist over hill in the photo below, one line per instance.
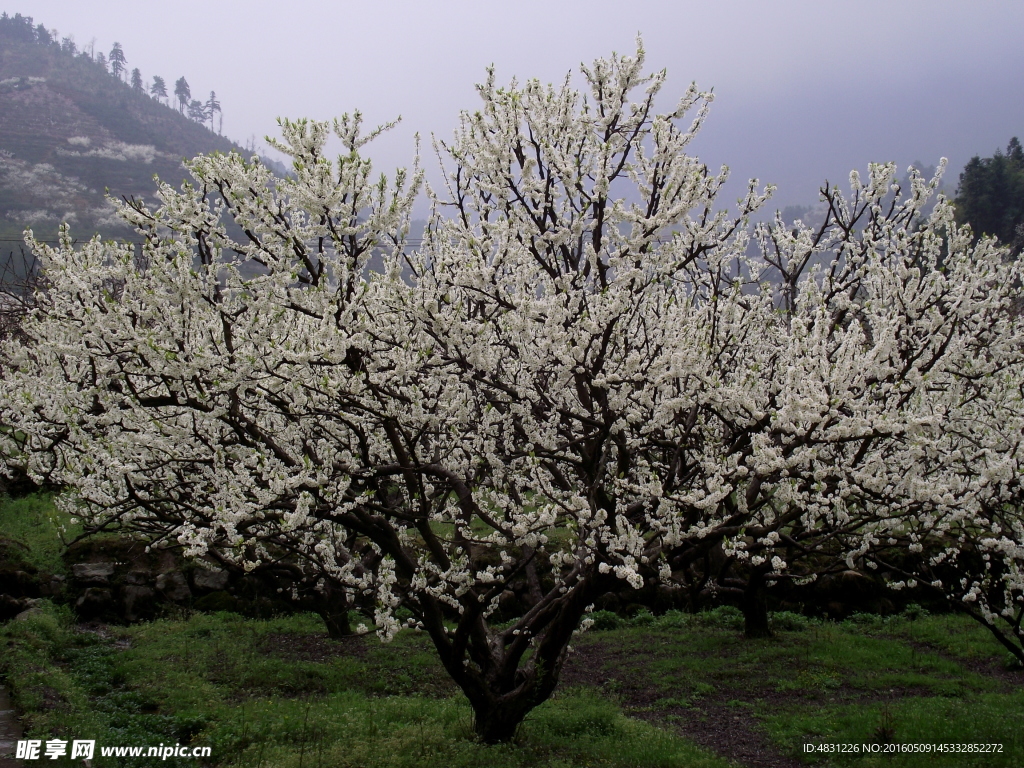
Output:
(71, 131)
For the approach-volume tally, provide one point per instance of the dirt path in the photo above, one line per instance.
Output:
(10, 732)
(1008, 679)
(731, 732)
(719, 715)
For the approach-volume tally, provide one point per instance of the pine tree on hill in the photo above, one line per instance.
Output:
(158, 90)
(137, 81)
(212, 106)
(183, 92)
(18, 28)
(102, 61)
(196, 111)
(117, 61)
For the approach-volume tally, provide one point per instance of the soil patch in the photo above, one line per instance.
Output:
(312, 648)
(715, 707)
(1009, 679)
(730, 731)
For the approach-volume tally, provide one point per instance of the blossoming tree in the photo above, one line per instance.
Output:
(882, 427)
(587, 376)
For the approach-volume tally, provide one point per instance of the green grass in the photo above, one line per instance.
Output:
(923, 680)
(346, 729)
(278, 692)
(978, 719)
(35, 523)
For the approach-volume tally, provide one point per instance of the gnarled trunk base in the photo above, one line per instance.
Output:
(336, 621)
(755, 609)
(498, 723)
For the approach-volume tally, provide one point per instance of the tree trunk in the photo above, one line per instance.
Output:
(506, 673)
(503, 692)
(497, 722)
(755, 608)
(332, 606)
(336, 622)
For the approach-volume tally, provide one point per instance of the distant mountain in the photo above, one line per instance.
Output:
(69, 130)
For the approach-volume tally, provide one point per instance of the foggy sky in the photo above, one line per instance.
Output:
(805, 90)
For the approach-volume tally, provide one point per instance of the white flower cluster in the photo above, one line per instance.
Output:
(41, 184)
(113, 150)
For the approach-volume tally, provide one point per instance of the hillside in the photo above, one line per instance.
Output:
(69, 130)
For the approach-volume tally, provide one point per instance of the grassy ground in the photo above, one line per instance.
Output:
(674, 691)
(667, 691)
(903, 680)
(279, 693)
(34, 526)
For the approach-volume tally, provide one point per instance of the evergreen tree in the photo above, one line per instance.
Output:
(158, 90)
(101, 60)
(991, 195)
(183, 92)
(18, 28)
(196, 111)
(117, 61)
(137, 81)
(212, 106)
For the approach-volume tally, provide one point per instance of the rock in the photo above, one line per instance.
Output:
(213, 580)
(127, 553)
(668, 598)
(138, 578)
(609, 601)
(97, 574)
(139, 602)
(18, 583)
(52, 587)
(95, 601)
(11, 606)
(173, 586)
(31, 607)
